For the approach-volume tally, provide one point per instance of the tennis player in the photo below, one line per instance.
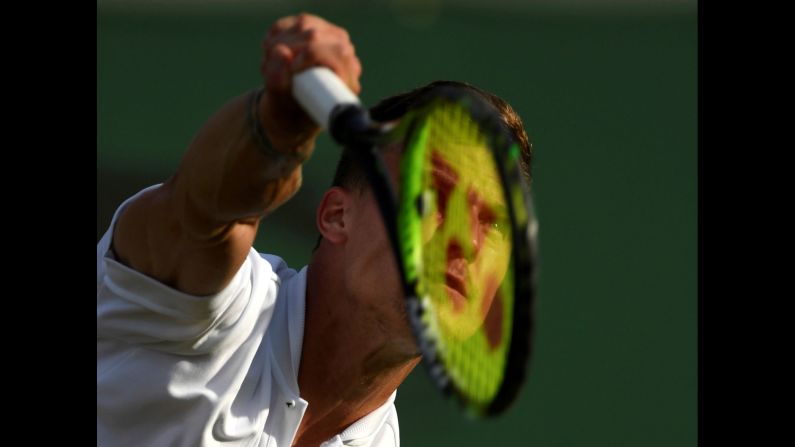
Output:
(202, 341)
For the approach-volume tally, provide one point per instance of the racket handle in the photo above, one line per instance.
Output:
(319, 91)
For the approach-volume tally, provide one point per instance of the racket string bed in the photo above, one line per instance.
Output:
(475, 368)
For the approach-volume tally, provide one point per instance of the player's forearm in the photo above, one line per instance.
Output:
(227, 174)
(194, 232)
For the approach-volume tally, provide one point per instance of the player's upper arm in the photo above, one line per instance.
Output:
(151, 237)
(194, 231)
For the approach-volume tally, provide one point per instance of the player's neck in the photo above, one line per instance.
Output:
(344, 336)
(362, 363)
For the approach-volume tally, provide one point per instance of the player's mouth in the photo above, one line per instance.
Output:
(456, 273)
(455, 276)
(456, 280)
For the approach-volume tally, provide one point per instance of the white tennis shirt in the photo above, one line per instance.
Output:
(221, 370)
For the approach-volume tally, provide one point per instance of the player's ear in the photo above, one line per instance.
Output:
(330, 218)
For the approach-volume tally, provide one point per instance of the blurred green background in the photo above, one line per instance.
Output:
(607, 91)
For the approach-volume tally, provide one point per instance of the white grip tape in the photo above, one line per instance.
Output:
(319, 90)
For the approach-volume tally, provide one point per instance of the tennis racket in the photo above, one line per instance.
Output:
(462, 227)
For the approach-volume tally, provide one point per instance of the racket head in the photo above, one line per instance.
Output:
(466, 237)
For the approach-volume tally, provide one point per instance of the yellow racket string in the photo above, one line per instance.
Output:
(462, 255)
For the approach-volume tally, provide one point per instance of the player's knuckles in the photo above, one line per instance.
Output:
(282, 39)
(300, 62)
(305, 21)
(313, 54)
(345, 50)
(331, 48)
(278, 56)
(302, 21)
(296, 42)
(298, 23)
(276, 65)
(311, 36)
(346, 53)
(283, 24)
(287, 29)
(342, 34)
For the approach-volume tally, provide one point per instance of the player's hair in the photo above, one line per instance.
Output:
(349, 175)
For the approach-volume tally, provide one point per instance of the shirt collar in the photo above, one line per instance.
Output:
(287, 327)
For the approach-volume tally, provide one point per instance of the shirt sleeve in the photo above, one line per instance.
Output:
(138, 310)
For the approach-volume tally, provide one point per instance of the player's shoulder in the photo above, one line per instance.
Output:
(278, 265)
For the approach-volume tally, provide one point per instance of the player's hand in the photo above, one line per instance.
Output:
(292, 45)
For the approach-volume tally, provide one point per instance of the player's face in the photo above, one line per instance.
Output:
(467, 286)
(466, 233)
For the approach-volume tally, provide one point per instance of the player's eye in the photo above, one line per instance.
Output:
(499, 227)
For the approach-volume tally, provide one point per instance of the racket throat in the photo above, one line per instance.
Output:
(351, 126)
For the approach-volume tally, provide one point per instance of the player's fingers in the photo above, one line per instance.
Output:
(306, 31)
(305, 21)
(296, 23)
(298, 31)
(297, 39)
(282, 25)
(296, 42)
(353, 62)
(338, 56)
(276, 68)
